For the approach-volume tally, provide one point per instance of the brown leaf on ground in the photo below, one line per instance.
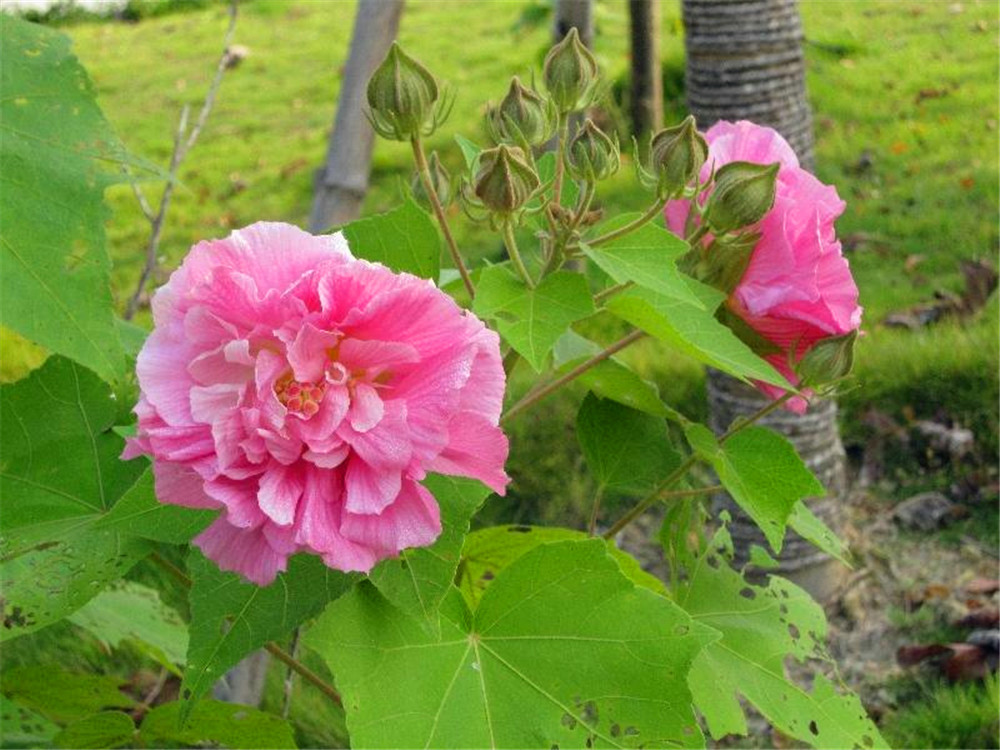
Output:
(983, 586)
(981, 619)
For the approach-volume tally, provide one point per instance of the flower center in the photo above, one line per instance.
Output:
(299, 397)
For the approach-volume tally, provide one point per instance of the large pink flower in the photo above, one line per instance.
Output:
(306, 394)
(797, 288)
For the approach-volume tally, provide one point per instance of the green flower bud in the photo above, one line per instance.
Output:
(524, 117)
(592, 154)
(440, 181)
(505, 179)
(676, 157)
(570, 73)
(828, 361)
(401, 96)
(743, 194)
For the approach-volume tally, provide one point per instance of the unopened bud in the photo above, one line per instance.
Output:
(592, 154)
(828, 361)
(524, 117)
(440, 181)
(505, 180)
(676, 157)
(571, 73)
(743, 194)
(401, 96)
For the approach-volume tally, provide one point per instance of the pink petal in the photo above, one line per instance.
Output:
(308, 353)
(246, 552)
(375, 356)
(319, 523)
(280, 490)
(413, 520)
(209, 403)
(476, 448)
(367, 408)
(369, 490)
(162, 371)
(179, 485)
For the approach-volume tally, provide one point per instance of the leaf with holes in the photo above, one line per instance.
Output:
(626, 450)
(489, 551)
(611, 378)
(56, 155)
(215, 724)
(562, 650)
(693, 330)
(647, 257)
(60, 476)
(132, 612)
(231, 618)
(532, 320)
(810, 527)
(419, 578)
(761, 626)
(763, 473)
(404, 239)
(22, 727)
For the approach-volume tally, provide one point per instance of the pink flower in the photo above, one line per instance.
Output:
(797, 289)
(306, 394)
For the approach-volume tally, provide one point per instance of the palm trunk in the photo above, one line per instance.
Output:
(342, 183)
(745, 61)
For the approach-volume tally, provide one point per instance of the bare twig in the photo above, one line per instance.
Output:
(293, 648)
(184, 140)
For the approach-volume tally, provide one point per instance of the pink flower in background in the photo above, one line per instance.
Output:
(797, 289)
(306, 394)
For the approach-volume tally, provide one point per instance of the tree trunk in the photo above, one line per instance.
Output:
(574, 13)
(745, 61)
(646, 98)
(341, 184)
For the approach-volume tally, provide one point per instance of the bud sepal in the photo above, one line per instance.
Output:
(742, 194)
(404, 99)
(592, 154)
(571, 74)
(523, 118)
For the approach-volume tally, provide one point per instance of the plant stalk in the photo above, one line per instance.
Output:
(651, 213)
(425, 178)
(515, 255)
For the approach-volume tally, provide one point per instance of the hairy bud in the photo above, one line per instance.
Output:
(505, 179)
(592, 154)
(743, 194)
(401, 96)
(440, 181)
(524, 117)
(571, 73)
(828, 361)
(676, 157)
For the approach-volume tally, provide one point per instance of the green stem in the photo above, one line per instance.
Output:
(515, 255)
(658, 494)
(592, 526)
(425, 178)
(560, 157)
(273, 648)
(611, 291)
(651, 213)
(697, 234)
(540, 393)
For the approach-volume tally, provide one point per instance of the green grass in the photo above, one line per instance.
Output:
(962, 715)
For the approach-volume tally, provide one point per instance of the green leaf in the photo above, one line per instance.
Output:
(140, 514)
(133, 612)
(63, 696)
(646, 257)
(22, 727)
(762, 472)
(101, 730)
(404, 239)
(532, 320)
(55, 146)
(470, 150)
(215, 724)
(608, 379)
(562, 650)
(59, 476)
(761, 627)
(419, 578)
(626, 450)
(231, 618)
(807, 525)
(489, 551)
(693, 331)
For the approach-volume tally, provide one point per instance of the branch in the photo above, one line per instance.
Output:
(184, 140)
(537, 395)
(651, 213)
(273, 648)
